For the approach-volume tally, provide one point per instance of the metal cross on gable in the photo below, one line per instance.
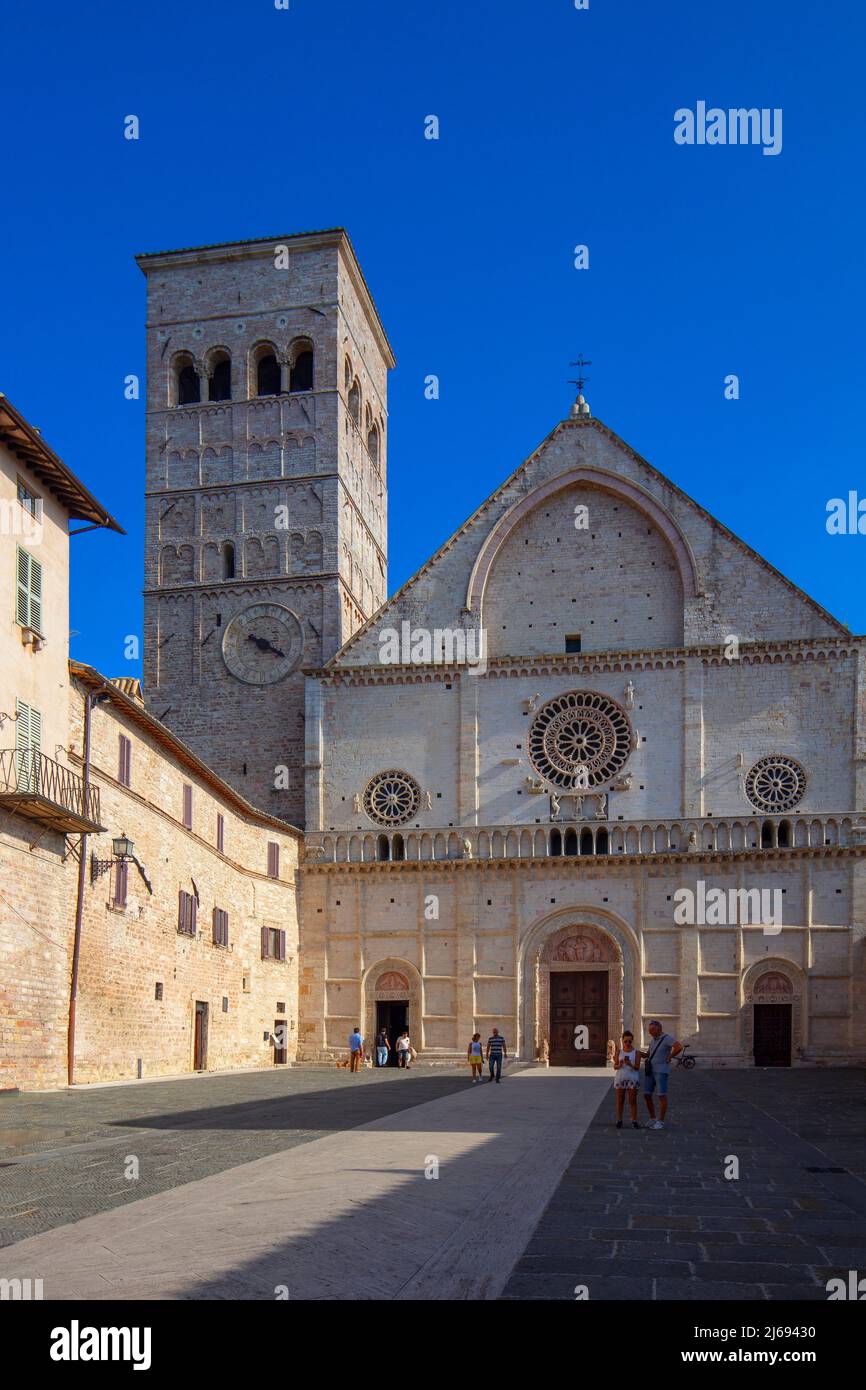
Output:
(581, 380)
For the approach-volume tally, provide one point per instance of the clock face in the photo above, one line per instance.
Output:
(263, 644)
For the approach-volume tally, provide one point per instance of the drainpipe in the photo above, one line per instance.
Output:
(79, 905)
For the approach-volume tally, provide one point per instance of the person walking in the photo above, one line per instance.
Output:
(403, 1050)
(356, 1050)
(496, 1054)
(627, 1068)
(474, 1057)
(383, 1047)
(657, 1068)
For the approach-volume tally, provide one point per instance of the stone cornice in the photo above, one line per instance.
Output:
(795, 651)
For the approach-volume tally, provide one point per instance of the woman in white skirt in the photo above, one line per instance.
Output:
(627, 1068)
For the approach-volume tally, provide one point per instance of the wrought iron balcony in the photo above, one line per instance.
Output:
(43, 790)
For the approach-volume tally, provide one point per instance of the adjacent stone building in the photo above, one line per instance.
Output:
(148, 913)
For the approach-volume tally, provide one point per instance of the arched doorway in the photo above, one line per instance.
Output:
(578, 980)
(772, 1005)
(773, 996)
(392, 990)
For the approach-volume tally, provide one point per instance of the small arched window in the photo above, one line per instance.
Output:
(383, 847)
(347, 374)
(228, 561)
(188, 385)
(570, 842)
(301, 374)
(373, 445)
(355, 402)
(221, 379)
(555, 842)
(268, 375)
(586, 845)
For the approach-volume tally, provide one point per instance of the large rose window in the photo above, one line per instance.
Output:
(579, 740)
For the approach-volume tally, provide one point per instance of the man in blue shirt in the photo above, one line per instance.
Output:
(356, 1050)
(657, 1069)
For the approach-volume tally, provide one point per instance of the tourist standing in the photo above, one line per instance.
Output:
(383, 1047)
(496, 1054)
(356, 1050)
(657, 1069)
(475, 1058)
(627, 1068)
(403, 1050)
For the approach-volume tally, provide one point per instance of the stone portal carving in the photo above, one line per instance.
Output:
(392, 979)
(582, 945)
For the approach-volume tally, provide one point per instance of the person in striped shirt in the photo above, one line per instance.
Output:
(496, 1051)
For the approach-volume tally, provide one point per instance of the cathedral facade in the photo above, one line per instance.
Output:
(643, 801)
(596, 762)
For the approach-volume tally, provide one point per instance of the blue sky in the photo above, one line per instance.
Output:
(556, 128)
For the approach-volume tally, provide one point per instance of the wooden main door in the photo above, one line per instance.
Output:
(772, 1035)
(578, 998)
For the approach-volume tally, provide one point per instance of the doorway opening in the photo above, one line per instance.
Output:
(280, 1040)
(772, 1035)
(393, 1016)
(200, 1048)
(578, 1001)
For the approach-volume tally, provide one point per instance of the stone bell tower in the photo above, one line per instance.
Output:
(266, 520)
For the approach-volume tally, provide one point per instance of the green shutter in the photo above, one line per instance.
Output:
(22, 608)
(35, 594)
(28, 741)
(28, 608)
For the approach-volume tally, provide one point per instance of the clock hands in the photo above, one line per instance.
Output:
(264, 645)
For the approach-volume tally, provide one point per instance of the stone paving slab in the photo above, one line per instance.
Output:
(346, 1216)
(653, 1209)
(62, 1153)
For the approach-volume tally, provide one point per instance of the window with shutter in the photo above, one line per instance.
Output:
(220, 927)
(124, 772)
(186, 906)
(273, 859)
(281, 945)
(265, 941)
(28, 742)
(221, 833)
(187, 806)
(28, 608)
(121, 882)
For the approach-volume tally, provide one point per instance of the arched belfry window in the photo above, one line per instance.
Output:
(188, 383)
(220, 386)
(228, 561)
(268, 375)
(355, 402)
(347, 374)
(373, 444)
(301, 372)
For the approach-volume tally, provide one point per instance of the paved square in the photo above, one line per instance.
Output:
(651, 1213)
(248, 1183)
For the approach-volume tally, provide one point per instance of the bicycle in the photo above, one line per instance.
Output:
(683, 1061)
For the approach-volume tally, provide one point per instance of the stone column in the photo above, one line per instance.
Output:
(693, 736)
(467, 749)
(465, 896)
